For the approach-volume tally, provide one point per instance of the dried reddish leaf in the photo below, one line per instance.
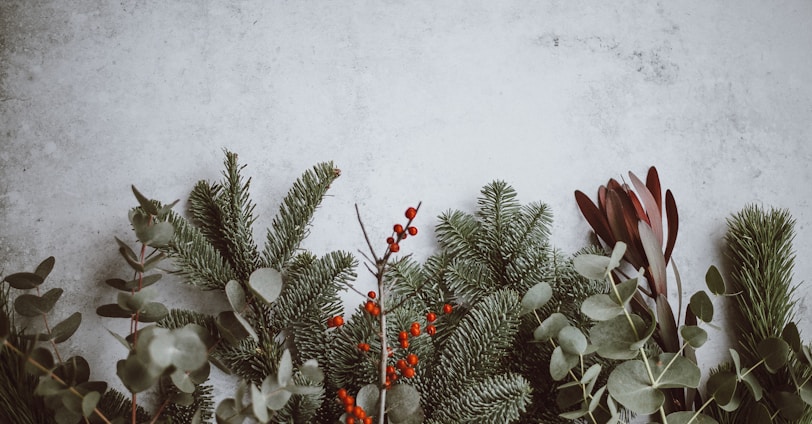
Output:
(602, 199)
(652, 209)
(673, 223)
(653, 184)
(638, 208)
(623, 223)
(655, 258)
(667, 325)
(594, 218)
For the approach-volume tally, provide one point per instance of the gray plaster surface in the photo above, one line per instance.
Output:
(420, 100)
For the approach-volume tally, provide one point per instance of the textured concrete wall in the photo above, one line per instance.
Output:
(419, 100)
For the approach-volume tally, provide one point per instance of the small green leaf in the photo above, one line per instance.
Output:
(181, 348)
(572, 341)
(154, 261)
(752, 384)
(790, 405)
(685, 417)
(234, 327)
(275, 394)
(66, 328)
(536, 297)
(693, 335)
(702, 306)
(24, 280)
(89, 402)
(672, 371)
(236, 296)
(737, 363)
(266, 283)
(591, 266)
(183, 399)
(550, 327)
(41, 356)
(626, 290)
(74, 371)
(48, 387)
(714, 280)
(135, 375)
(45, 267)
(112, 310)
(29, 305)
(147, 205)
(806, 392)
(285, 371)
(792, 337)
(591, 374)
(561, 363)
(158, 234)
(304, 390)
(227, 412)
(722, 387)
(596, 399)
(615, 338)
(310, 369)
(182, 381)
(258, 406)
(153, 312)
(760, 415)
(629, 384)
(601, 307)
(617, 255)
(402, 400)
(775, 353)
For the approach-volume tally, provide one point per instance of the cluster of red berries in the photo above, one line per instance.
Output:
(401, 232)
(336, 321)
(355, 414)
(406, 368)
(371, 306)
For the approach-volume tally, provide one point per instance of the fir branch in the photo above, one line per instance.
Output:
(485, 333)
(469, 281)
(498, 210)
(237, 211)
(198, 259)
(116, 404)
(291, 223)
(184, 414)
(496, 399)
(457, 234)
(206, 214)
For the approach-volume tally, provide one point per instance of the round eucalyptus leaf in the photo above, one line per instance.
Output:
(183, 399)
(200, 375)
(702, 306)
(135, 375)
(617, 255)
(572, 341)
(266, 283)
(536, 297)
(47, 387)
(152, 312)
(791, 335)
(258, 406)
(775, 353)
(71, 411)
(561, 363)
(591, 374)
(753, 385)
(615, 338)
(626, 290)
(156, 235)
(285, 371)
(75, 370)
(89, 402)
(722, 387)
(591, 266)
(693, 335)
(43, 357)
(402, 400)
(234, 327)
(685, 417)
(182, 381)
(310, 369)
(790, 405)
(226, 411)
(550, 327)
(629, 384)
(180, 348)
(737, 362)
(672, 371)
(66, 328)
(45, 267)
(236, 296)
(600, 307)
(367, 397)
(24, 280)
(760, 415)
(30, 305)
(714, 280)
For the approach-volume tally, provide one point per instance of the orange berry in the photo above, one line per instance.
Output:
(390, 240)
(412, 231)
(368, 420)
(431, 317)
(401, 364)
(412, 359)
(349, 400)
(348, 409)
(342, 393)
(403, 336)
(363, 346)
(390, 369)
(338, 321)
(394, 247)
(411, 213)
(397, 228)
(376, 311)
(350, 420)
(415, 331)
(372, 295)
(407, 372)
(404, 344)
(331, 322)
(447, 308)
(359, 412)
(431, 330)
(369, 306)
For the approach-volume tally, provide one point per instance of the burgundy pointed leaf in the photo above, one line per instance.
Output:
(621, 226)
(667, 325)
(673, 223)
(656, 260)
(602, 200)
(652, 207)
(613, 185)
(638, 207)
(653, 184)
(594, 217)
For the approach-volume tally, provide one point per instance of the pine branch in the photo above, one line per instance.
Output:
(496, 399)
(205, 212)
(291, 223)
(237, 210)
(469, 281)
(498, 211)
(184, 414)
(457, 235)
(115, 404)
(198, 259)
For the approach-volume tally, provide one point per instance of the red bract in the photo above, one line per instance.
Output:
(635, 217)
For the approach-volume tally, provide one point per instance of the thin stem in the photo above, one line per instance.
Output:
(159, 411)
(363, 230)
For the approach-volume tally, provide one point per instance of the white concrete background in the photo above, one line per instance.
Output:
(419, 100)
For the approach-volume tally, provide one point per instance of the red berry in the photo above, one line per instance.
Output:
(414, 331)
(431, 317)
(404, 344)
(349, 400)
(401, 364)
(363, 346)
(338, 321)
(431, 330)
(397, 228)
(350, 420)
(390, 369)
(368, 420)
(342, 393)
(390, 240)
(447, 308)
(348, 409)
(412, 359)
(331, 322)
(413, 231)
(403, 336)
(407, 372)
(359, 412)
(411, 213)
(394, 247)
(376, 311)
(372, 295)
(369, 306)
